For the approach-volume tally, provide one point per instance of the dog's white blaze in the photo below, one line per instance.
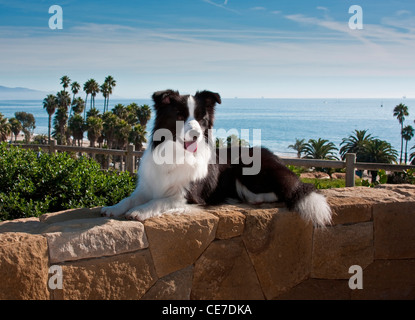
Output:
(245, 194)
(191, 124)
(315, 208)
(191, 104)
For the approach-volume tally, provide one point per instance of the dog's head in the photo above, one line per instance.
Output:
(188, 118)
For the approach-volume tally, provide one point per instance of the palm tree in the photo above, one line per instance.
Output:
(400, 112)
(5, 128)
(407, 134)
(94, 90)
(94, 112)
(122, 133)
(87, 91)
(50, 103)
(63, 99)
(355, 143)
(60, 125)
(298, 146)
(380, 151)
(133, 111)
(320, 149)
(144, 115)
(65, 81)
(77, 126)
(75, 87)
(137, 136)
(109, 127)
(110, 84)
(120, 111)
(78, 105)
(16, 127)
(105, 92)
(94, 126)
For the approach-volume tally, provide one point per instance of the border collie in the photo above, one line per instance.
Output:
(183, 166)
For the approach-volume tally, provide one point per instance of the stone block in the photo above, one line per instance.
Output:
(350, 210)
(24, 267)
(390, 194)
(24, 225)
(71, 214)
(225, 272)
(337, 248)
(279, 244)
(88, 238)
(231, 221)
(394, 230)
(176, 241)
(123, 277)
(174, 286)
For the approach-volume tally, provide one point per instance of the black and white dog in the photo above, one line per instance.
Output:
(182, 166)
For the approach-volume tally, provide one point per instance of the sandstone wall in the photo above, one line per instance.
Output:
(227, 252)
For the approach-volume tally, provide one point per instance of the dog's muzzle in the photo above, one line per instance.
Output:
(191, 138)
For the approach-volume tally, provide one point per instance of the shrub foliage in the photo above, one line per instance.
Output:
(33, 183)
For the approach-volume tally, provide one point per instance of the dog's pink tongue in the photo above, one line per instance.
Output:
(190, 146)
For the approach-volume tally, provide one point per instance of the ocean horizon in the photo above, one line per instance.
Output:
(275, 123)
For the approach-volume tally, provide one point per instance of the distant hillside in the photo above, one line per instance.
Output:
(20, 93)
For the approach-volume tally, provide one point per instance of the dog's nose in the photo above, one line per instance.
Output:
(194, 134)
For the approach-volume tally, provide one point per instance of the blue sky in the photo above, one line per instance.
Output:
(239, 48)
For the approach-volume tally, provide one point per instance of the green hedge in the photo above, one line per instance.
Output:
(33, 183)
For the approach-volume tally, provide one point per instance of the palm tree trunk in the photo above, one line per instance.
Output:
(86, 99)
(49, 125)
(406, 150)
(400, 159)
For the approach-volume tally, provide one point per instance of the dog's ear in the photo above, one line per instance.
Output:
(164, 97)
(211, 98)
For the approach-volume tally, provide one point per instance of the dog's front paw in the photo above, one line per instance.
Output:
(112, 211)
(137, 214)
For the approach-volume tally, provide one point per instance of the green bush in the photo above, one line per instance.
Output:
(33, 183)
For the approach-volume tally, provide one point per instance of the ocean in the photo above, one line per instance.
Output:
(276, 122)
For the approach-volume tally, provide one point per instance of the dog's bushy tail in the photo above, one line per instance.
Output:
(311, 205)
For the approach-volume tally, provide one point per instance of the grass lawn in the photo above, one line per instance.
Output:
(330, 183)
